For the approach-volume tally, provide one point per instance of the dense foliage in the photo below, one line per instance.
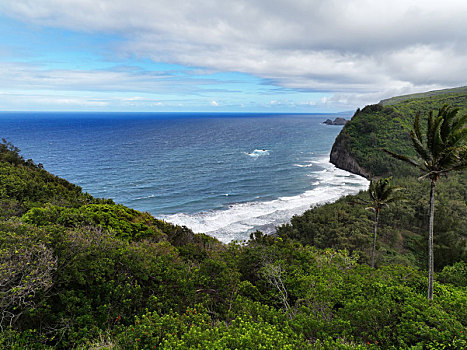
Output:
(403, 228)
(441, 151)
(25, 185)
(386, 126)
(78, 272)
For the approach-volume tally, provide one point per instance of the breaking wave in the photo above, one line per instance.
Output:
(238, 220)
(257, 153)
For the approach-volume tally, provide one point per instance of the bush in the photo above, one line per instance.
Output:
(455, 274)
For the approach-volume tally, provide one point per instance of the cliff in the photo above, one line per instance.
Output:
(358, 147)
(342, 159)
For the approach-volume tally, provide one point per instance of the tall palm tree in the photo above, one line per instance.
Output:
(382, 193)
(443, 150)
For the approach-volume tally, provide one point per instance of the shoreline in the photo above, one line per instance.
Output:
(239, 220)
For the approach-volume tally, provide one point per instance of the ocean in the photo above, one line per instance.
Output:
(226, 175)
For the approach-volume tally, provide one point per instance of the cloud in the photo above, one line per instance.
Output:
(354, 48)
(214, 103)
(19, 101)
(33, 76)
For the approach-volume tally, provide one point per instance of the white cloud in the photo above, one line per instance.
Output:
(214, 103)
(134, 98)
(20, 76)
(356, 49)
(19, 101)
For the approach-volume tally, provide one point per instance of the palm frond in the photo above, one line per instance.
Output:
(459, 122)
(360, 201)
(449, 157)
(417, 128)
(391, 193)
(458, 138)
(419, 147)
(460, 166)
(433, 174)
(382, 193)
(429, 130)
(438, 143)
(449, 115)
(403, 158)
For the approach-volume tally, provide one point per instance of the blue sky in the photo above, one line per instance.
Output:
(250, 56)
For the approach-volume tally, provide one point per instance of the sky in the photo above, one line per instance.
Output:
(303, 56)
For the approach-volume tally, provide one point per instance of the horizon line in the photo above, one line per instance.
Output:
(176, 112)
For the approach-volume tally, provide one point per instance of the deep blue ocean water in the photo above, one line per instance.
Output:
(223, 174)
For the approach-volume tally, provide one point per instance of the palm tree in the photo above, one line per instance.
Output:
(382, 193)
(443, 150)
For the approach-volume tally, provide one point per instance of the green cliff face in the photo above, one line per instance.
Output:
(358, 147)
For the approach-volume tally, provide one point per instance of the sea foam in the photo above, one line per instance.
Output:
(238, 220)
(257, 153)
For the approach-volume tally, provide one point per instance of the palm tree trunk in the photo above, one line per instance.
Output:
(374, 239)
(431, 264)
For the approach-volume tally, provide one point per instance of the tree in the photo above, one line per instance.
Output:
(274, 274)
(442, 150)
(27, 266)
(11, 154)
(382, 193)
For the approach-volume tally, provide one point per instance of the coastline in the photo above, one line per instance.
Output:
(240, 219)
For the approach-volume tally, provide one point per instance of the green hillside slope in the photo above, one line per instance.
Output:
(453, 93)
(385, 126)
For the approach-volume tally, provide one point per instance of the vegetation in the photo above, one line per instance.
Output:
(430, 96)
(443, 151)
(387, 126)
(402, 230)
(77, 272)
(381, 195)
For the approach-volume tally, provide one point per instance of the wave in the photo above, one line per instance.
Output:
(238, 220)
(257, 153)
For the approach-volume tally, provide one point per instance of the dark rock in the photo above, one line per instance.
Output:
(341, 158)
(340, 121)
(337, 121)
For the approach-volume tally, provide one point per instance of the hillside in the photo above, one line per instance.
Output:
(433, 95)
(78, 272)
(358, 148)
(385, 126)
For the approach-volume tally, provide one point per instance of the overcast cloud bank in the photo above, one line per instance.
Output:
(355, 51)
